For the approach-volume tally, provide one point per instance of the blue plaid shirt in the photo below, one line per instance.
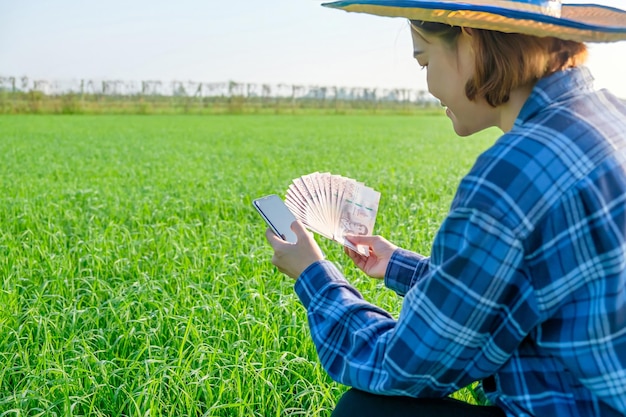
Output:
(525, 288)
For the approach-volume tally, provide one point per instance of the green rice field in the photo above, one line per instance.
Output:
(135, 276)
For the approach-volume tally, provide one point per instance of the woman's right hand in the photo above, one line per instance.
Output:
(380, 249)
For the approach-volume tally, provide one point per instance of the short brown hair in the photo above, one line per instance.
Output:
(505, 61)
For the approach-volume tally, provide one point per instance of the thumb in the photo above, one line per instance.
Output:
(361, 239)
(299, 229)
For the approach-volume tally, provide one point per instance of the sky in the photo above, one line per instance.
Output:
(246, 41)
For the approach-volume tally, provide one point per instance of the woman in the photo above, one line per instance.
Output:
(525, 286)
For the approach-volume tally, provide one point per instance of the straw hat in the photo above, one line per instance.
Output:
(577, 22)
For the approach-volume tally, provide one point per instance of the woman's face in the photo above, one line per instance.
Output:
(448, 68)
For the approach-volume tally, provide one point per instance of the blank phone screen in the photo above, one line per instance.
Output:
(273, 209)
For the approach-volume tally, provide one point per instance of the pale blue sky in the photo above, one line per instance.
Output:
(251, 41)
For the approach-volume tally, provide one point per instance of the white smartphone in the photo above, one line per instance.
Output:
(277, 216)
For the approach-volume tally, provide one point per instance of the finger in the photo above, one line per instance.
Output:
(351, 252)
(355, 256)
(361, 240)
(299, 229)
(274, 240)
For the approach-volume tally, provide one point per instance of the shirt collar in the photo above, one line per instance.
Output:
(555, 88)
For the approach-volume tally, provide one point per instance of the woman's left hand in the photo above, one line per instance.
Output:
(293, 258)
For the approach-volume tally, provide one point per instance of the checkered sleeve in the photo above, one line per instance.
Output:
(454, 327)
(404, 270)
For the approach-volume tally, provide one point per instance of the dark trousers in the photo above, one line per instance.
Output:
(355, 403)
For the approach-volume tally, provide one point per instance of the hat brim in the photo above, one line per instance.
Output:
(577, 22)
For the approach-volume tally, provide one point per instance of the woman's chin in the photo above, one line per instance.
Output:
(462, 130)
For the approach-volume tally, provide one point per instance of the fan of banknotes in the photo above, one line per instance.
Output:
(333, 206)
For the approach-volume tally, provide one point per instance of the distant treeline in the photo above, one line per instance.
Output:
(25, 96)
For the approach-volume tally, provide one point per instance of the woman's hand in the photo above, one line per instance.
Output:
(380, 249)
(293, 258)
